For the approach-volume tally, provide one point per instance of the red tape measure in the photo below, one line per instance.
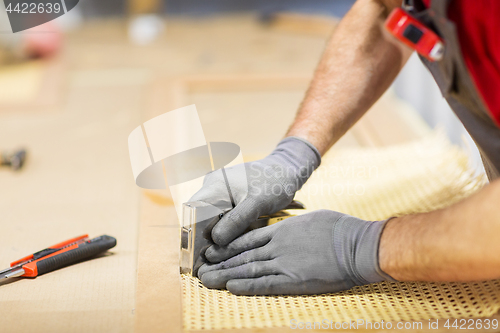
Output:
(414, 34)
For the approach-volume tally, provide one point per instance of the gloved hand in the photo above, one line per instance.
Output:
(319, 252)
(269, 186)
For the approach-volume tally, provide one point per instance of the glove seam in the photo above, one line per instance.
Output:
(376, 267)
(310, 145)
(336, 226)
(293, 160)
(355, 271)
(379, 270)
(357, 278)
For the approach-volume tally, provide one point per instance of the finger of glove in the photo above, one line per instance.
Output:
(234, 223)
(264, 285)
(214, 191)
(201, 260)
(251, 240)
(217, 279)
(258, 254)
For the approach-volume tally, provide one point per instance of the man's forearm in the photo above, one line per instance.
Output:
(359, 63)
(458, 243)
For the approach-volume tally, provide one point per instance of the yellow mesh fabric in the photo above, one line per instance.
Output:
(372, 184)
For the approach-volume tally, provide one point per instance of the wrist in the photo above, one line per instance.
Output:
(298, 157)
(395, 251)
(356, 244)
(367, 253)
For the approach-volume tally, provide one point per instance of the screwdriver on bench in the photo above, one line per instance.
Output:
(57, 256)
(15, 161)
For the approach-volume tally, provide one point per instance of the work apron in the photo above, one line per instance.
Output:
(457, 87)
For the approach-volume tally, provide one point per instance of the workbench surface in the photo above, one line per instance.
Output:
(243, 76)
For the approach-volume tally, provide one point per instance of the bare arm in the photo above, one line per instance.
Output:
(359, 63)
(458, 243)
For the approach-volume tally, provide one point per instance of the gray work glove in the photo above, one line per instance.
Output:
(269, 186)
(319, 252)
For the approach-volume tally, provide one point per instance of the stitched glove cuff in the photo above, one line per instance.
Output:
(367, 259)
(356, 244)
(300, 157)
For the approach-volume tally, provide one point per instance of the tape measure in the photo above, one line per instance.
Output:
(414, 34)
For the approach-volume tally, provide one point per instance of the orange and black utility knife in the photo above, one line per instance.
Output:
(58, 256)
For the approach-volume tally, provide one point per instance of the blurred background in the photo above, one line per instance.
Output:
(73, 89)
(414, 85)
(174, 28)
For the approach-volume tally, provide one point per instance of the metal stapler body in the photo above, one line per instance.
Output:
(198, 219)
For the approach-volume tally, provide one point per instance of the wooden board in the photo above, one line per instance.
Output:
(158, 306)
(253, 111)
(76, 181)
(78, 176)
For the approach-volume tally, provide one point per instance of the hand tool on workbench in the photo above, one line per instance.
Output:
(57, 256)
(198, 219)
(14, 160)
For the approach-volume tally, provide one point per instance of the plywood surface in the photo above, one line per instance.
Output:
(78, 178)
(252, 108)
(256, 120)
(76, 181)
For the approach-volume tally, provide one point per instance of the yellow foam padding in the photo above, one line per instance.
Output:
(373, 184)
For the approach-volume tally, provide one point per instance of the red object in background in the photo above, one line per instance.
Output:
(478, 26)
(414, 34)
(42, 41)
